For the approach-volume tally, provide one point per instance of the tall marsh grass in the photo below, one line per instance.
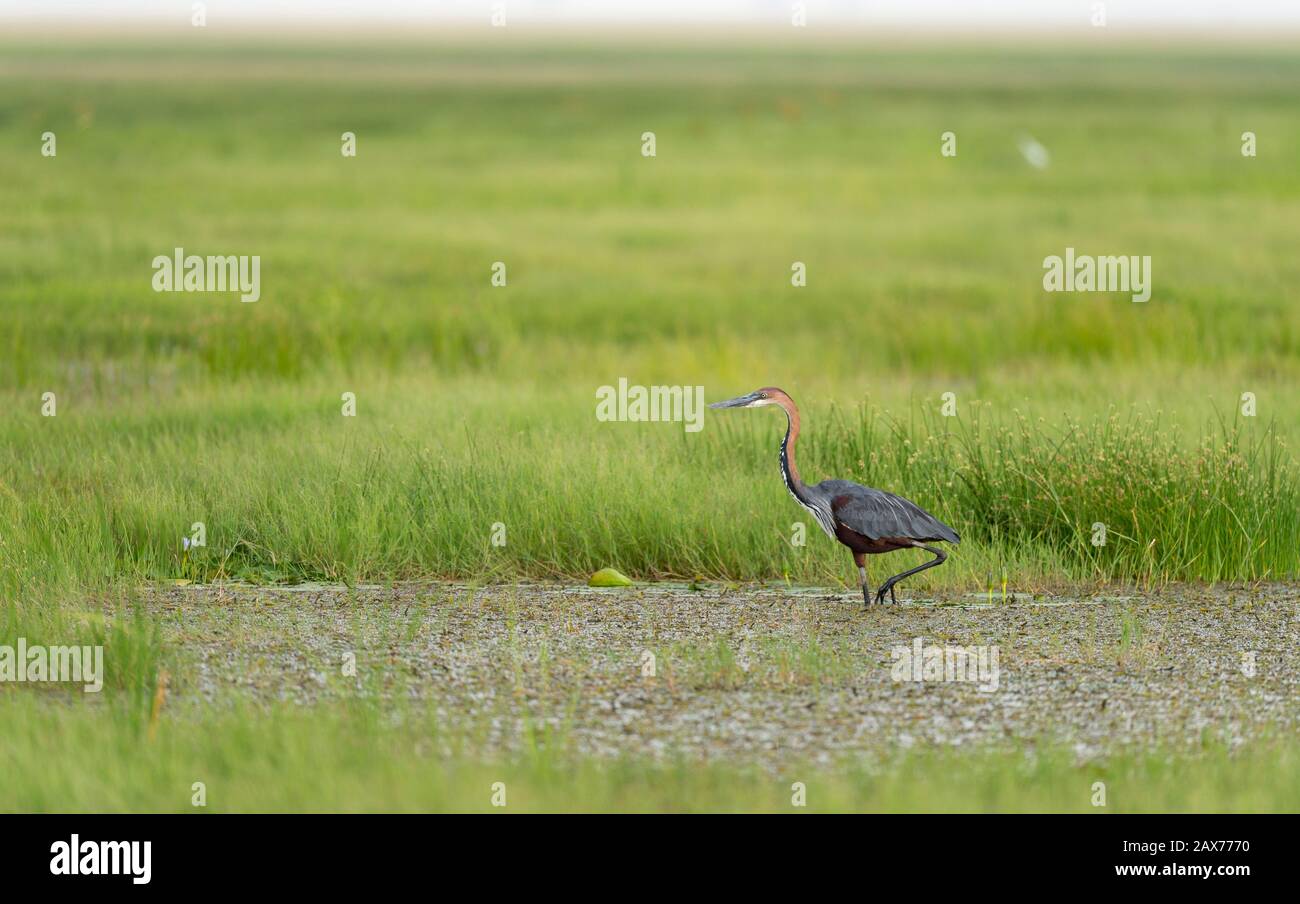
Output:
(289, 491)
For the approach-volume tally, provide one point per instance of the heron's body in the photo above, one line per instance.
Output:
(866, 520)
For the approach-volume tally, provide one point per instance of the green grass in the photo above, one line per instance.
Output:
(287, 489)
(476, 404)
(354, 758)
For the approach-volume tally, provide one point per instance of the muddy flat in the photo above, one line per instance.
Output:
(759, 675)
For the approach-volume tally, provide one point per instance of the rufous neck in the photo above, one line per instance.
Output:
(789, 470)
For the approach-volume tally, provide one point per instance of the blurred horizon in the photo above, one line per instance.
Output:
(955, 15)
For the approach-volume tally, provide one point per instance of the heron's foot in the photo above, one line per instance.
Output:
(887, 587)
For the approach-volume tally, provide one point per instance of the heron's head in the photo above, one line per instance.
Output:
(768, 395)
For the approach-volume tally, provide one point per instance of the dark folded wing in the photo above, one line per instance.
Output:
(876, 514)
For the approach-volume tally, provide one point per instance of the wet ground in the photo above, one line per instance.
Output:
(759, 675)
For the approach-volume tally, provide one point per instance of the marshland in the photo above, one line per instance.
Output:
(443, 522)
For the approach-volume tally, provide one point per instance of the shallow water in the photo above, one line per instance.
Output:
(760, 674)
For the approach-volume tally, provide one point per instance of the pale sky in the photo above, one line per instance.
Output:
(952, 13)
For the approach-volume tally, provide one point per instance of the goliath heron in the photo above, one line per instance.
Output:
(867, 521)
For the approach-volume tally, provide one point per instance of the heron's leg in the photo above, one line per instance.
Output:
(861, 561)
(939, 558)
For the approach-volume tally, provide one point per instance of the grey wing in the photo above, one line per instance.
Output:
(876, 514)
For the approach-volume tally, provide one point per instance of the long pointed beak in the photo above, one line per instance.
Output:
(738, 402)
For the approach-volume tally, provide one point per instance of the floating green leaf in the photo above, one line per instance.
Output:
(609, 577)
